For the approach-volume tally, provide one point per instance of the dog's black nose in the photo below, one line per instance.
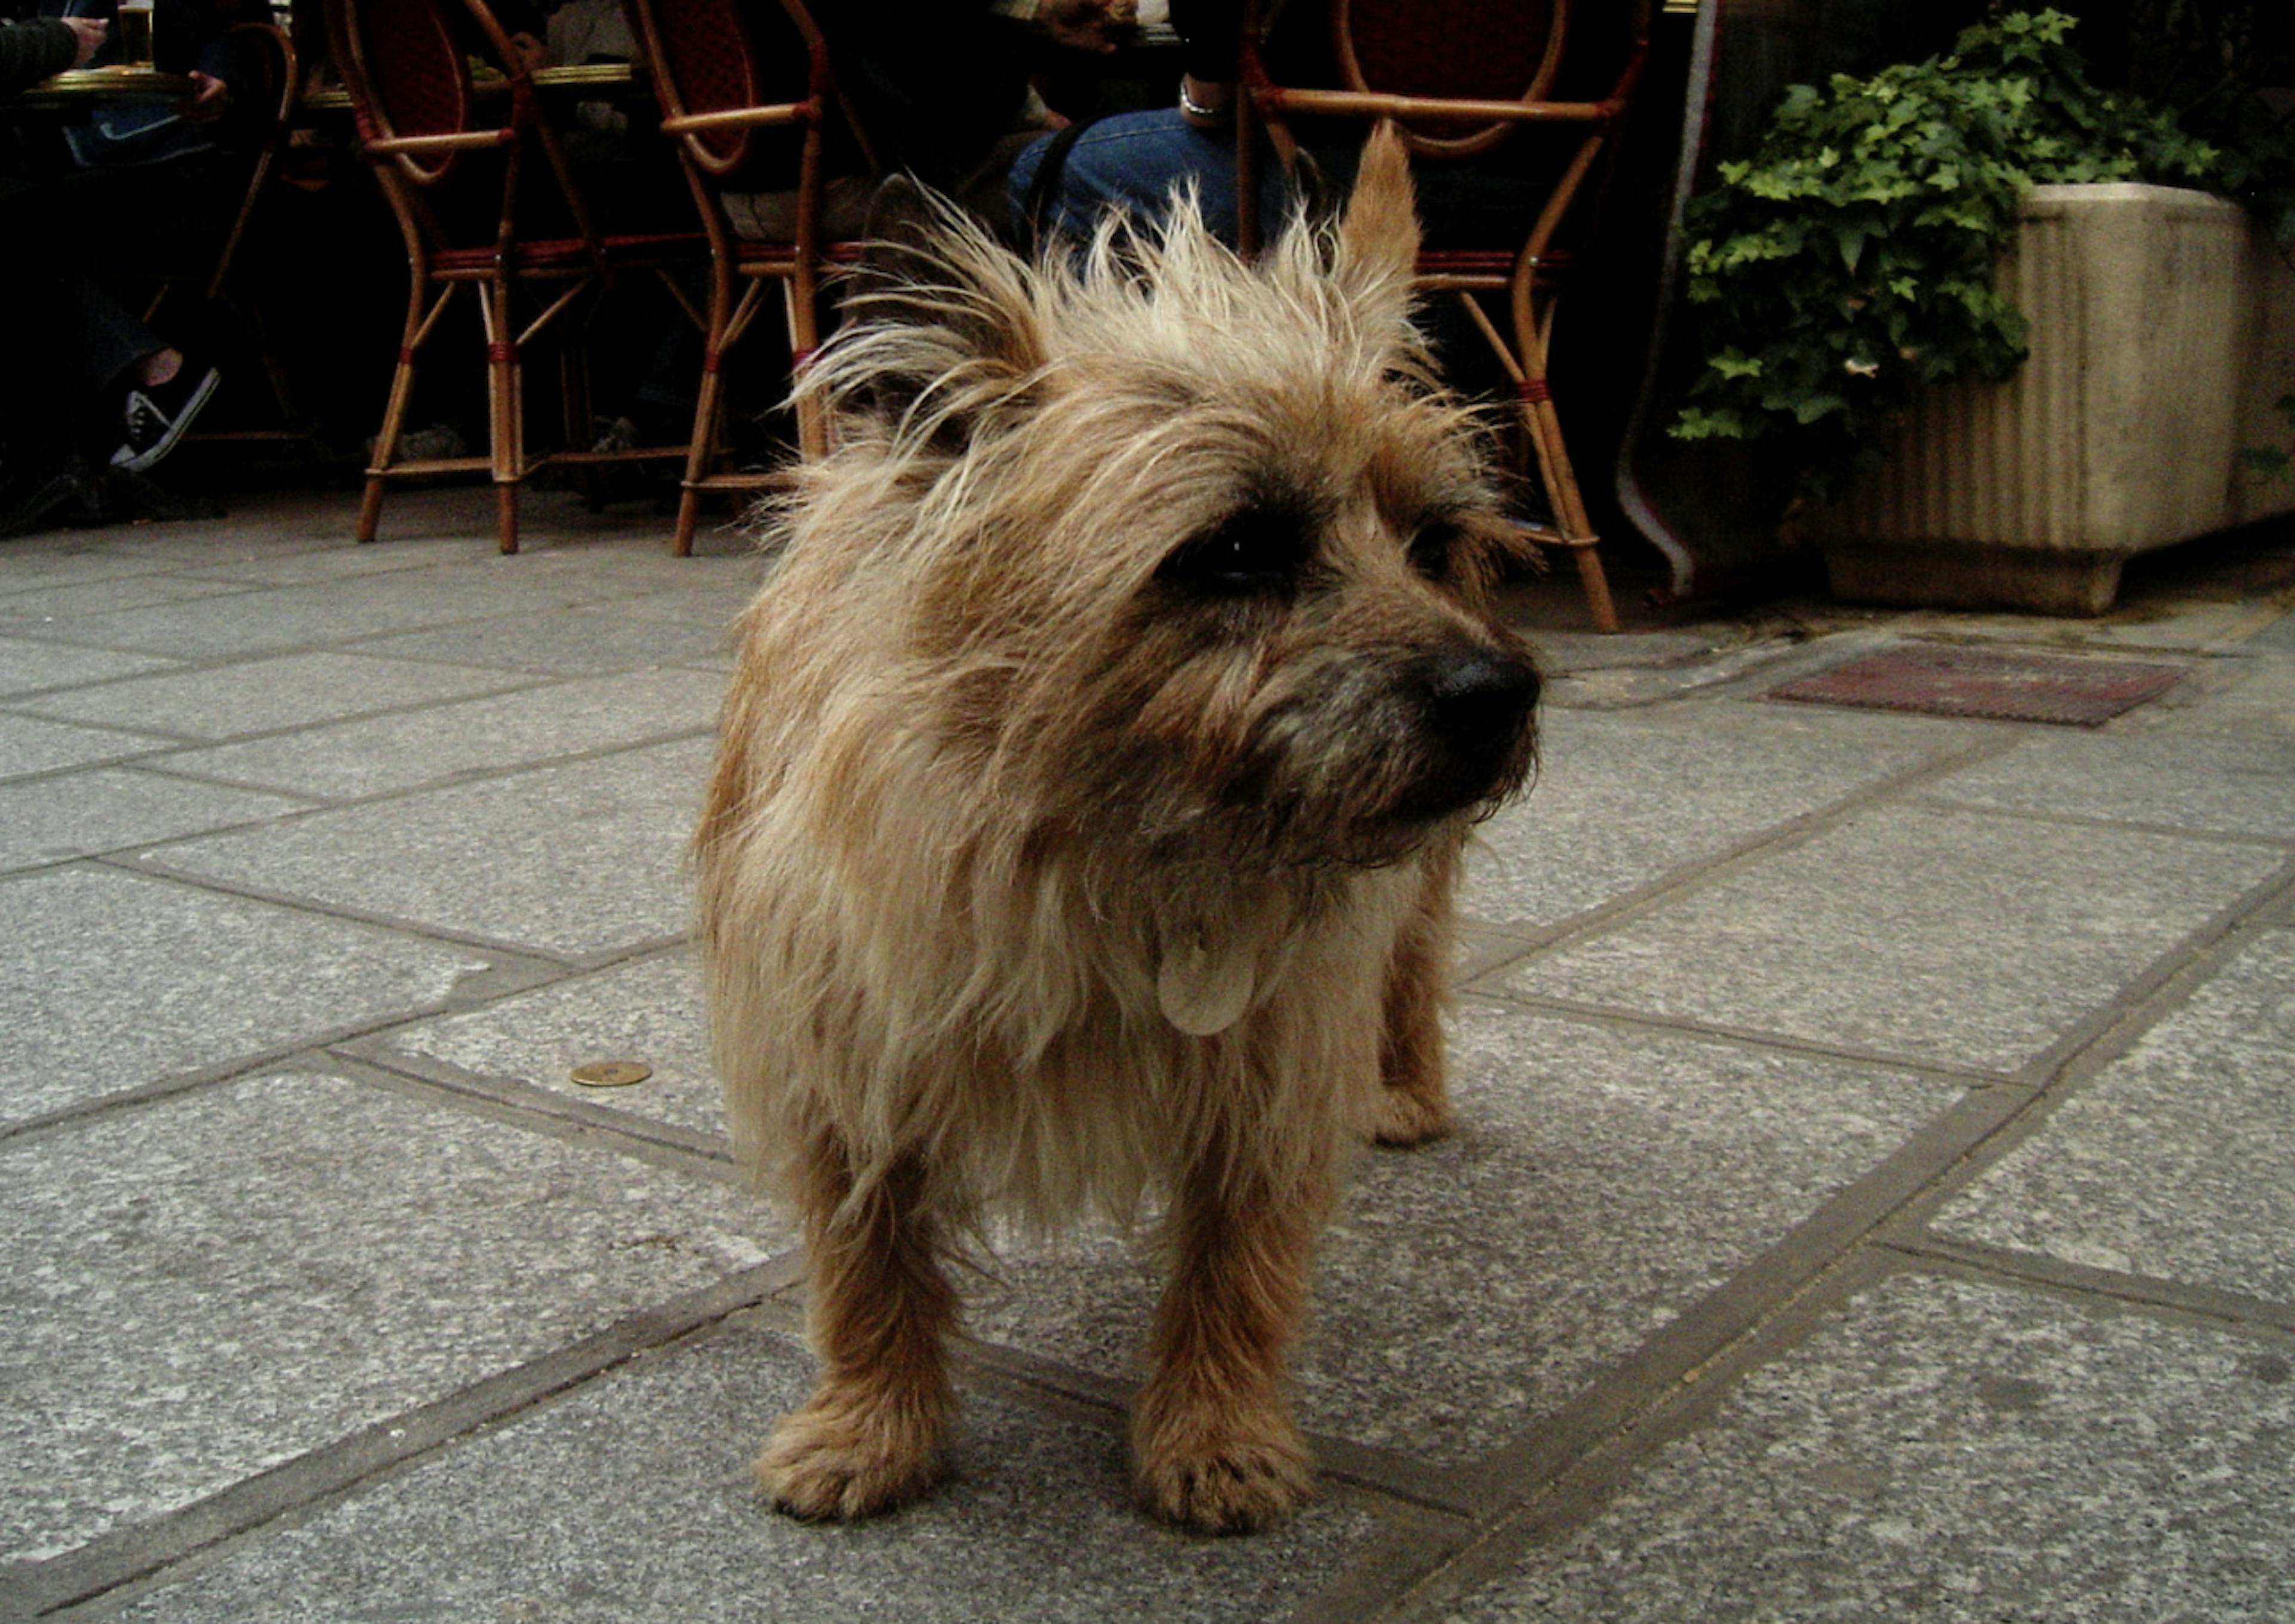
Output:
(1477, 699)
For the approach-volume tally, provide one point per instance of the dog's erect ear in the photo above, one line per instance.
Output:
(950, 325)
(1378, 234)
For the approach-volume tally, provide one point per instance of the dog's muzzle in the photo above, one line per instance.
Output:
(1476, 707)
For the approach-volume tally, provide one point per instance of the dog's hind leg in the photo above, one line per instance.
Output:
(872, 1434)
(1414, 1103)
(1212, 1436)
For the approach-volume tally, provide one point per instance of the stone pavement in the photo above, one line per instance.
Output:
(1875, 1199)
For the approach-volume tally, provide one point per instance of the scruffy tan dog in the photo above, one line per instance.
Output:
(1090, 794)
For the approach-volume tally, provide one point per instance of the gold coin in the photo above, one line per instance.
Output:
(612, 1073)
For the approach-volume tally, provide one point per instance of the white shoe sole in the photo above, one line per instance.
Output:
(166, 442)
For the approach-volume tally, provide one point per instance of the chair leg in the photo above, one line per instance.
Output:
(1524, 361)
(369, 518)
(797, 296)
(1569, 507)
(386, 444)
(1596, 585)
(504, 414)
(708, 405)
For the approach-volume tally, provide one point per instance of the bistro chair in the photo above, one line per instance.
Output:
(745, 91)
(464, 164)
(1463, 79)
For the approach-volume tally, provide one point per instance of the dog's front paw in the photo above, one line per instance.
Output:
(1408, 1118)
(842, 1459)
(1228, 1485)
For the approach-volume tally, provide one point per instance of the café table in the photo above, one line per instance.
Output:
(601, 80)
(79, 86)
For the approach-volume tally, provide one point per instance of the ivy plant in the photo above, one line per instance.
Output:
(2224, 67)
(1848, 263)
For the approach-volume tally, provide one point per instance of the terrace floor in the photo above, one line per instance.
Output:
(1874, 1201)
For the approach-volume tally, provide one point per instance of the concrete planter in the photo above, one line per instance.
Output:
(2162, 330)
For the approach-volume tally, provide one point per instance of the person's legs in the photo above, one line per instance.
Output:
(115, 348)
(1132, 161)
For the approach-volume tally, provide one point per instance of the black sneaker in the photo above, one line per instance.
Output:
(26, 503)
(159, 413)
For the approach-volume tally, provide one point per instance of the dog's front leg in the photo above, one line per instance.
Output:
(872, 1434)
(1212, 1436)
(1414, 1103)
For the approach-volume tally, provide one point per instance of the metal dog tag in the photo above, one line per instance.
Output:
(1202, 992)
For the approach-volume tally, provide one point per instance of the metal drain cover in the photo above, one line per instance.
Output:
(1994, 684)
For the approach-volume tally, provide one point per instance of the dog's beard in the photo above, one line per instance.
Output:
(1366, 778)
(1297, 801)
(1429, 815)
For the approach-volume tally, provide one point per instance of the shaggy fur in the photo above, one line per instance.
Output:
(1089, 803)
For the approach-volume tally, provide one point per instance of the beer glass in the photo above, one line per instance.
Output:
(134, 18)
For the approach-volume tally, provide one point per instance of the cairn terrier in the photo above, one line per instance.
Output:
(1089, 803)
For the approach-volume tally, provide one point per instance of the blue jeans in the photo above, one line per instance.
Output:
(1132, 161)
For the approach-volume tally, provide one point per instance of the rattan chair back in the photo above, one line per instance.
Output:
(1459, 51)
(406, 75)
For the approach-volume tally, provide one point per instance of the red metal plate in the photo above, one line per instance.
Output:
(1994, 684)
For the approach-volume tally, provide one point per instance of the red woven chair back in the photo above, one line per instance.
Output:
(413, 74)
(716, 55)
(1472, 50)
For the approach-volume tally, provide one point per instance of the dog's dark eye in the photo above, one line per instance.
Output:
(1252, 551)
(1430, 549)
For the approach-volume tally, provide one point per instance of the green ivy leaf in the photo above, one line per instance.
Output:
(1848, 261)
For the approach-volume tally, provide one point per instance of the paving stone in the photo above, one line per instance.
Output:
(286, 524)
(2173, 1162)
(572, 861)
(122, 592)
(2252, 696)
(657, 579)
(28, 666)
(653, 1011)
(35, 563)
(570, 641)
(2180, 626)
(105, 809)
(1959, 1454)
(401, 751)
(1603, 1182)
(1958, 938)
(263, 696)
(110, 980)
(2279, 635)
(214, 1283)
(2225, 783)
(552, 523)
(234, 560)
(711, 607)
(28, 745)
(238, 625)
(1622, 801)
(1572, 653)
(631, 1499)
(2168, 624)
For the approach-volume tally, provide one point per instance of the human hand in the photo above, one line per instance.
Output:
(532, 53)
(87, 34)
(211, 96)
(1088, 25)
